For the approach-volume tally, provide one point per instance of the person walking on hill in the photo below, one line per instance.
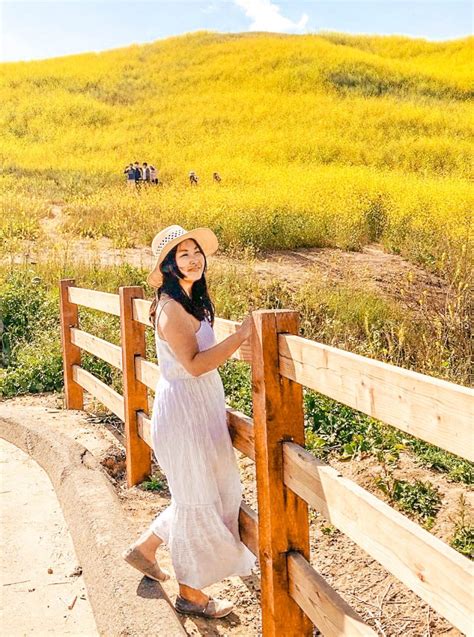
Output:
(138, 173)
(191, 441)
(154, 175)
(146, 173)
(193, 178)
(130, 172)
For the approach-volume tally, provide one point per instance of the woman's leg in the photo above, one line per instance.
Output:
(147, 544)
(193, 595)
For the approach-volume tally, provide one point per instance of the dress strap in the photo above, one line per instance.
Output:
(158, 315)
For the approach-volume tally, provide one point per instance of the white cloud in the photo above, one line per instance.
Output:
(266, 16)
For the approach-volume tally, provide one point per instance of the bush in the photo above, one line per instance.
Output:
(30, 348)
(418, 499)
(38, 367)
(25, 308)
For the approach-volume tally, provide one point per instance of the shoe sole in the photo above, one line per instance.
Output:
(198, 614)
(155, 579)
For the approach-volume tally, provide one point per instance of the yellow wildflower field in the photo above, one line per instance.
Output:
(320, 140)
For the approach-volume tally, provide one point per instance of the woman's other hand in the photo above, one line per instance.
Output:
(245, 329)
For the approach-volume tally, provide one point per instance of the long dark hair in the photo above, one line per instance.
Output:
(199, 305)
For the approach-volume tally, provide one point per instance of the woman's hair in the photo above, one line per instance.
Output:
(199, 305)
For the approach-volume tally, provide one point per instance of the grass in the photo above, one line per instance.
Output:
(463, 537)
(153, 484)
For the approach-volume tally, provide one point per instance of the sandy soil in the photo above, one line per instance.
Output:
(43, 591)
(383, 602)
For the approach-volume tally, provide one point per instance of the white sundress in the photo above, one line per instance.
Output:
(192, 445)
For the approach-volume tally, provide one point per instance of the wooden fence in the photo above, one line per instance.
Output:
(293, 594)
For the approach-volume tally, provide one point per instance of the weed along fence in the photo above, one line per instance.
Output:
(293, 594)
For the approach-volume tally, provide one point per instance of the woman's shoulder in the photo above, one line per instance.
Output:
(171, 309)
(169, 301)
(170, 306)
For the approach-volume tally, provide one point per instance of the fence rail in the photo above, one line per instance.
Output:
(294, 594)
(417, 404)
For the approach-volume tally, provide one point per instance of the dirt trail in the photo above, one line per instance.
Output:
(372, 269)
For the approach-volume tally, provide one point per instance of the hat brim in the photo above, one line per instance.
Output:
(204, 236)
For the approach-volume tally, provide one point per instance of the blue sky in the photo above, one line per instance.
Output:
(41, 29)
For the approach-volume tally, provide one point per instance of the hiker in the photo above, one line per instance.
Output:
(193, 178)
(138, 173)
(153, 175)
(190, 438)
(216, 177)
(146, 173)
(130, 172)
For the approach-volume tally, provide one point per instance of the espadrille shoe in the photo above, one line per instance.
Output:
(151, 569)
(214, 608)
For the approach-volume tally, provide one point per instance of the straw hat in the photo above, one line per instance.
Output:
(165, 241)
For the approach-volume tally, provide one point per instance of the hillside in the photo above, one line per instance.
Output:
(321, 140)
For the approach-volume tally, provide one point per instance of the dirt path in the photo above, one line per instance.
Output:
(43, 591)
(372, 269)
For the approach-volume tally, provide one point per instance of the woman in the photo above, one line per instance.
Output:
(190, 437)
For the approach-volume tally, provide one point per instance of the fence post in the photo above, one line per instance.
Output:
(283, 524)
(69, 317)
(134, 392)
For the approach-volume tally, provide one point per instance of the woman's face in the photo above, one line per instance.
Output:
(190, 260)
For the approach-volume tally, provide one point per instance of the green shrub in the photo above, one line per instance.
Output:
(463, 540)
(456, 469)
(38, 367)
(25, 309)
(30, 347)
(419, 499)
(332, 427)
(237, 383)
(153, 484)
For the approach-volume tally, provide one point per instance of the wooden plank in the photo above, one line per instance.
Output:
(71, 353)
(141, 310)
(327, 610)
(98, 347)
(433, 570)
(224, 328)
(248, 527)
(103, 301)
(283, 520)
(241, 432)
(144, 428)
(138, 453)
(105, 394)
(434, 410)
(146, 372)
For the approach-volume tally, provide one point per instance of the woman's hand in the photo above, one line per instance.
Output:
(245, 329)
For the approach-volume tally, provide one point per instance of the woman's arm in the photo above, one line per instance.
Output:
(178, 330)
